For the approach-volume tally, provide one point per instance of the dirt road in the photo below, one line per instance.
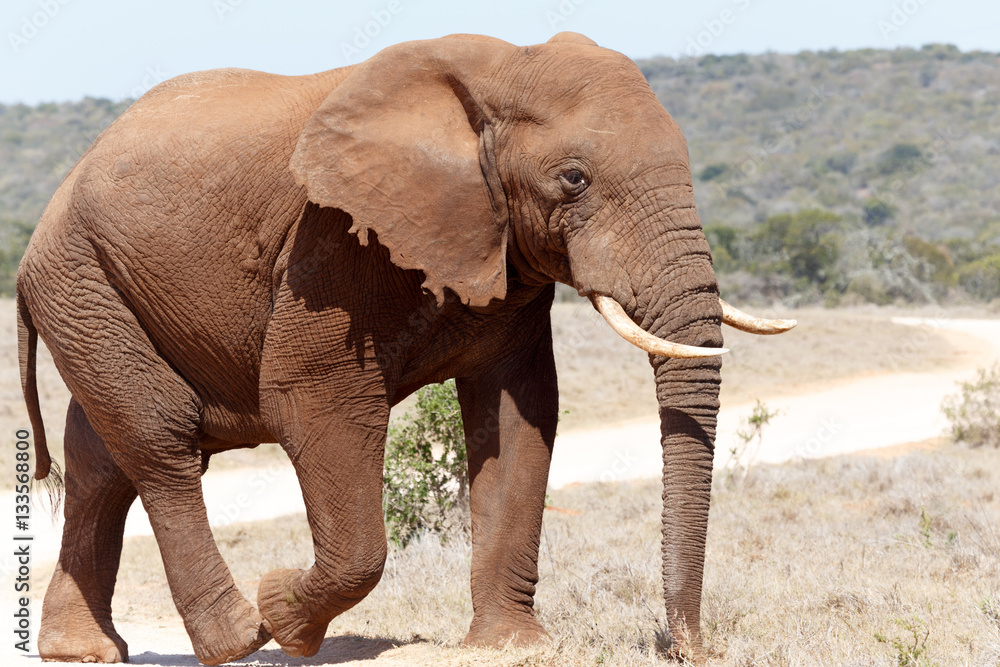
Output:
(860, 414)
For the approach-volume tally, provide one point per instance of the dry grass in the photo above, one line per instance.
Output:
(812, 562)
(808, 564)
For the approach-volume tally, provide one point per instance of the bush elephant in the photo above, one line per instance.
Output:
(244, 258)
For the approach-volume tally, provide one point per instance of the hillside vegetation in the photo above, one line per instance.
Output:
(821, 177)
(867, 175)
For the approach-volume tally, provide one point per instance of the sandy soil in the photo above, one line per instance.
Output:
(883, 410)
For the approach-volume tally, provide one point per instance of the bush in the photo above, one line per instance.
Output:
(750, 434)
(937, 267)
(981, 278)
(842, 163)
(806, 244)
(881, 268)
(723, 240)
(713, 171)
(876, 212)
(425, 484)
(974, 412)
(900, 157)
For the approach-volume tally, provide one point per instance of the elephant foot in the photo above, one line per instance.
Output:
(80, 642)
(677, 643)
(224, 637)
(523, 630)
(291, 621)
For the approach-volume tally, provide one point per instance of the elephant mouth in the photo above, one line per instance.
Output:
(618, 319)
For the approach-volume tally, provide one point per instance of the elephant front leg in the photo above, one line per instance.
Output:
(339, 466)
(510, 422)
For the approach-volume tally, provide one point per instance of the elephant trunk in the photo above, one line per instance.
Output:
(681, 304)
(688, 394)
(671, 293)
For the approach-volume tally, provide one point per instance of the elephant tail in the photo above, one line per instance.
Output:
(27, 348)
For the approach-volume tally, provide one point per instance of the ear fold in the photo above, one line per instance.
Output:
(405, 148)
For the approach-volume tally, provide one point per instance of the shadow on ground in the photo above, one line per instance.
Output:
(334, 651)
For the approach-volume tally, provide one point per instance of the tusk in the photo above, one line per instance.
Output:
(623, 325)
(737, 319)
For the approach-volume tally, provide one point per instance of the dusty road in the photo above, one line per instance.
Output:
(864, 413)
(860, 414)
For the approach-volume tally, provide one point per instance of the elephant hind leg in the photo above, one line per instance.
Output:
(76, 614)
(160, 454)
(148, 417)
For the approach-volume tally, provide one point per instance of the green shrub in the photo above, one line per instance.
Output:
(806, 244)
(743, 454)
(941, 51)
(981, 278)
(772, 99)
(876, 212)
(723, 240)
(900, 157)
(909, 643)
(425, 484)
(937, 266)
(974, 412)
(842, 163)
(713, 171)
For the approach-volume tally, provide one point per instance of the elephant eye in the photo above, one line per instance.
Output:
(573, 182)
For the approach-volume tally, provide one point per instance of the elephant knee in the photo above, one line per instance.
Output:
(359, 575)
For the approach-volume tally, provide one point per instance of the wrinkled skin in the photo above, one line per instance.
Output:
(246, 258)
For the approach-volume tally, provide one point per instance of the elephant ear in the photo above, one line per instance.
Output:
(405, 147)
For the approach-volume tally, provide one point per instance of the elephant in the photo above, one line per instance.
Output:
(244, 257)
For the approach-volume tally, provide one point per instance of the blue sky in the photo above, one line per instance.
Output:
(64, 49)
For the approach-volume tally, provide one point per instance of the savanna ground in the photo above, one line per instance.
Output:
(843, 561)
(860, 560)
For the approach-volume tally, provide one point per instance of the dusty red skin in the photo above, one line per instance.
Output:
(246, 258)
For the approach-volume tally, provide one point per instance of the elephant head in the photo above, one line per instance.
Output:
(482, 164)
